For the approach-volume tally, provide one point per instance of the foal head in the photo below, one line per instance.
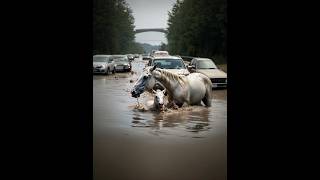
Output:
(159, 99)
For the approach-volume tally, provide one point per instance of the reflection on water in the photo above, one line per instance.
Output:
(191, 119)
(114, 107)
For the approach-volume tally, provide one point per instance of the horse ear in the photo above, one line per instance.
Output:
(154, 67)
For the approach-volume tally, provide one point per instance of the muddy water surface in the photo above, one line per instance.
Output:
(135, 143)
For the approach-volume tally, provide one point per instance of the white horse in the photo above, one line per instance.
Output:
(158, 102)
(191, 89)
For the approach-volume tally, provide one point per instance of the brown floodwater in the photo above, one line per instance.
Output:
(134, 143)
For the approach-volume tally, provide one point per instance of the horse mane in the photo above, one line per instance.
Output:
(171, 76)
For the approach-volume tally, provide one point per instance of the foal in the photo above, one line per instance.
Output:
(159, 99)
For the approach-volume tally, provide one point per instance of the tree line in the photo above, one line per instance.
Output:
(198, 28)
(113, 28)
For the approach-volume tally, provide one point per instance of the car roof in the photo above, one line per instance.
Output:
(201, 59)
(161, 52)
(166, 57)
(118, 55)
(101, 55)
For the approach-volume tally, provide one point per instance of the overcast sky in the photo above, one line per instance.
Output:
(151, 14)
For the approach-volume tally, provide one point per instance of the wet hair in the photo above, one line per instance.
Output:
(171, 76)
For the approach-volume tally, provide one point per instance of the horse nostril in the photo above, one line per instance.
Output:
(133, 93)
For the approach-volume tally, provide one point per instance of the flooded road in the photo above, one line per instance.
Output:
(130, 143)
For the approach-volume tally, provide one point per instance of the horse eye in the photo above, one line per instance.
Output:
(145, 77)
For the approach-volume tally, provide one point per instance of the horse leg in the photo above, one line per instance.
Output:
(172, 104)
(179, 105)
(208, 96)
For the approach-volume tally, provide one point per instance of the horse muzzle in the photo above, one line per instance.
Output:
(161, 106)
(135, 94)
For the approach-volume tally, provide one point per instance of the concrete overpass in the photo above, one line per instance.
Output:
(162, 30)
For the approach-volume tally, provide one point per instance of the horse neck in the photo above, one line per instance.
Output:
(169, 83)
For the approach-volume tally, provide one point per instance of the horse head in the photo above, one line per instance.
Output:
(145, 82)
(159, 98)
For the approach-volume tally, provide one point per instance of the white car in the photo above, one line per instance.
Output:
(102, 64)
(160, 53)
(170, 63)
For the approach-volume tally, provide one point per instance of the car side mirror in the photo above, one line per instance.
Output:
(191, 67)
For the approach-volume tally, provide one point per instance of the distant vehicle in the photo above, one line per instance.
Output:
(160, 53)
(103, 64)
(170, 63)
(207, 66)
(152, 52)
(121, 62)
(130, 57)
(146, 57)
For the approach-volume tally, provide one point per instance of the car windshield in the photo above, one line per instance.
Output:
(206, 64)
(118, 59)
(169, 63)
(99, 59)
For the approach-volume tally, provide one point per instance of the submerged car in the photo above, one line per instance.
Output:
(208, 67)
(121, 62)
(103, 64)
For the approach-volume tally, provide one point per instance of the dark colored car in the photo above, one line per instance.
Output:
(121, 62)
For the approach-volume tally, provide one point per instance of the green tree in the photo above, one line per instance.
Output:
(163, 47)
(113, 27)
(198, 28)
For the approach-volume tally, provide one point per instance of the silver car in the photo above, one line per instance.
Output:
(102, 64)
